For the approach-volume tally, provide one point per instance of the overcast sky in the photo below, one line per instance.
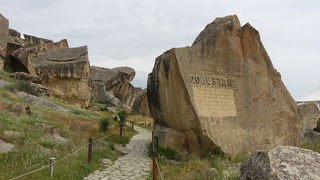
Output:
(134, 32)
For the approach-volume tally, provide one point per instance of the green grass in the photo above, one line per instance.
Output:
(312, 145)
(34, 147)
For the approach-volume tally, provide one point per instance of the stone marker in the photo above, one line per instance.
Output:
(223, 91)
(282, 163)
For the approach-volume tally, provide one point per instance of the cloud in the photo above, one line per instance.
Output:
(135, 32)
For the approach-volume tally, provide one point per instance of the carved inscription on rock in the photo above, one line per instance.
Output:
(213, 96)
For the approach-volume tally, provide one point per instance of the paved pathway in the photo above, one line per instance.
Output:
(135, 165)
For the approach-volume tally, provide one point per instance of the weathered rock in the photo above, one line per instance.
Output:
(311, 135)
(222, 91)
(12, 133)
(282, 163)
(32, 41)
(21, 58)
(112, 86)
(15, 42)
(6, 147)
(309, 114)
(65, 71)
(4, 83)
(18, 109)
(106, 162)
(14, 33)
(40, 101)
(140, 105)
(4, 34)
(26, 77)
(44, 91)
(317, 129)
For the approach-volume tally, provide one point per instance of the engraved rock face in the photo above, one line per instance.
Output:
(223, 91)
(282, 163)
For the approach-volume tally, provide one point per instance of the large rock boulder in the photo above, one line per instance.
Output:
(65, 71)
(309, 114)
(223, 91)
(140, 105)
(112, 86)
(14, 42)
(282, 163)
(4, 34)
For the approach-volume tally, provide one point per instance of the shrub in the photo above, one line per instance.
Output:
(122, 116)
(26, 87)
(103, 124)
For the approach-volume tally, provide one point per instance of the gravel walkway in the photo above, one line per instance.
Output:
(134, 165)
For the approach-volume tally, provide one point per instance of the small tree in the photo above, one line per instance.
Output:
(122, 120)
(104, 123)
(122, 116)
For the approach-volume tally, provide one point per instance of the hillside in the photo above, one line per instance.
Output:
(27, 141)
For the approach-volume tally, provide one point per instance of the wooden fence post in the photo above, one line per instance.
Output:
(154, 166)
(121, 130)
(90, 151)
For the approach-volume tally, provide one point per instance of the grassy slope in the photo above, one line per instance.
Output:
(34, 147)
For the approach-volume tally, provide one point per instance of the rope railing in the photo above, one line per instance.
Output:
(63, 158)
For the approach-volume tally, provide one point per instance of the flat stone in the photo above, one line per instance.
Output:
(6, 147)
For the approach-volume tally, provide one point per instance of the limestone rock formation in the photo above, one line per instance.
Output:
(112, 86)
(65, 71)
(4, 34)
(309, 114)
(282, 163)
(140, 105)
(223, 91)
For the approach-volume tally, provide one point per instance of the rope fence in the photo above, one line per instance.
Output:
(52, 161)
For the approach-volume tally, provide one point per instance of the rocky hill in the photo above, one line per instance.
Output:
(65, 72)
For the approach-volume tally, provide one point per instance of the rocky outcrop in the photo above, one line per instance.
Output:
(309, 114)
(4, 34)
(25, 77)
(223, 91)
(22, 57)
(282, 163)
(31, 99)
(112, 86)
(66, 72)
(32, 41)
(18, 109)
(140, 105)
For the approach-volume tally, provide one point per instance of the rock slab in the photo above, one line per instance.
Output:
(223, 91)
(282, 163)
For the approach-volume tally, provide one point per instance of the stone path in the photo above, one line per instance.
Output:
(135, 165)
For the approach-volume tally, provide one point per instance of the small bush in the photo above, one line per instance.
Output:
(25, 87)
(122, 116)
(168, 153)
(103, 124)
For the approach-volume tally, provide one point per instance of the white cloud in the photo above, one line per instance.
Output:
(134, 32)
